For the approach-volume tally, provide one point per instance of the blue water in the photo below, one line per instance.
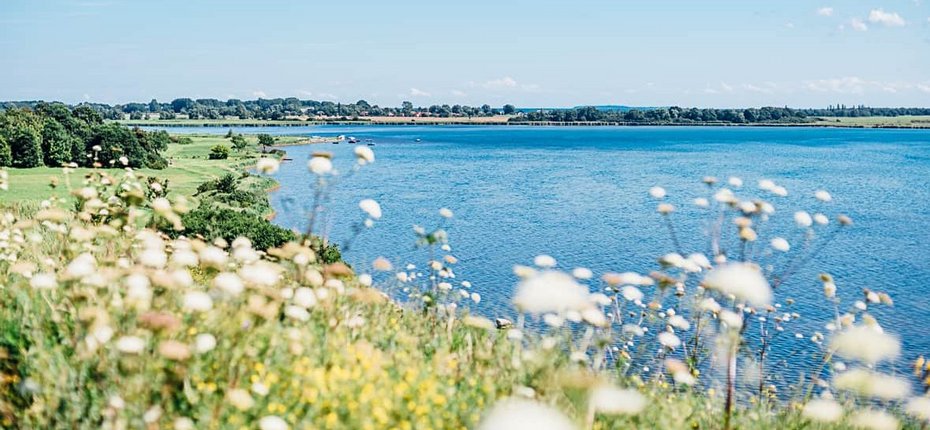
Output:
(580, 195)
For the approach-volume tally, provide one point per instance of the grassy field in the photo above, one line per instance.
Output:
(877, 121)
(188, 167)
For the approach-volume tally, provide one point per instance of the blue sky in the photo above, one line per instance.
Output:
(530, 53)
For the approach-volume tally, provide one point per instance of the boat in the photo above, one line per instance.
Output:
(417, 140)
(371, 144)
(353, 140)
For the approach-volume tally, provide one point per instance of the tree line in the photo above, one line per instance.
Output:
(272, 109)
(53, 134)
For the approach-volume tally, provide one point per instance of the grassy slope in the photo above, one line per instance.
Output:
(878, 121)
(189, 166)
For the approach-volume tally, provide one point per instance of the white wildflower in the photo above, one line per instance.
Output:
(364, 155)
(918, 407)
(822, 410)
(229, 283)
(873, 384)
(370, 207)
(43, 281)
(612, 400)
(657, 192)
(445, 213)
(130, 345)
(582, 273)
(803, 219)
(320, 165)
(550, 291)
(780, 244)
(866, 344)
(204, 342)
(823, 196)
(873, 419)
(544, 261)
(273, 422)
(267, 166)
(669, 340)
(744, 281)
(197, 301)
(523, 414)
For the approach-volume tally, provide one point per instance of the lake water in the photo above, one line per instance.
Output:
(580, 195)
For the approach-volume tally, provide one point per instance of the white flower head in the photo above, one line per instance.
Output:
(781, 244)
(544, 261)
(445, 213)
(523, 414)
(320, 165)
(550, 291)
(803, 219)
(197, 301)
(822, 410)
(669, 340)
(267, 166)
(823, 196)
(867, 344)
(370, 207)
(272, 422)
(742, 280)
(657, 192)
(612, 400)
(364, 155)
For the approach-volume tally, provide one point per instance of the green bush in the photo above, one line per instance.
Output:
(212, 222)
(219, 152)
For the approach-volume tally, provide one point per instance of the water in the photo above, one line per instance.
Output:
(580, 195)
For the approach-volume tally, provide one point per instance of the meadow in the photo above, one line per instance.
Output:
(108, 322)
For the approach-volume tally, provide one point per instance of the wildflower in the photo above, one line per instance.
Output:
(679, 322)
(296, 312)
(866, 344)
(445, 213)
(272, 422)
(229, 283)
(240, 399)
(355, 322)
(475, 297)
(829, 289)
(197, 301)
(710, 305)
(873, 419)
(370, 207)
(919, 407)
(657, 192)
(582, 273)
(613, 400)
(873, 384)
(161, 206)
(594, 317)
(320, 165)
(780, 244)
(822, 410)
(701, 202)
(267, 166)
(82, 265)
(823, 196)
(204, 342)
(43, 281)
(733, 320)
(780, 191)
(364, 155)
(260, 274)
(544, 261)
(365, 279)
(550, 291)
(821, 219)
(744, 281)
(523, 414)
(669, 340)
(174, 350)
(130, 345)
(803, 219)
(183, 423)
(212, 256)
(665, 208)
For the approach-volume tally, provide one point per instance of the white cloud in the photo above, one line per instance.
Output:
(766, 88)
(888, 19)
(418, 93)
(825, 11)
(457, 93)
(305, 93)
(858, 25)
(924, 87)
(505, 82)
(259, 94)
(857, 85)
(726, 87)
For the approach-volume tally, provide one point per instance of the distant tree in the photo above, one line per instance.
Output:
(57, 144)
(115, 141)
(509, 109)
(219, 152)
(22, 131)
(407, 108)
(6, 158)
(229, 134)
(486, 109)
(239, 143)
(265, 140)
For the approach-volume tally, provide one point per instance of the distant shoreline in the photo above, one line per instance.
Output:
(916, 125)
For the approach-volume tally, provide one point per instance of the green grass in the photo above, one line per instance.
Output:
(188, 167)
(877, 121)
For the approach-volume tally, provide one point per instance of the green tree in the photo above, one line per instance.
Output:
(239, 143)
(265, 140)
(219, 152)
(22, 130)
(114, 141)
(6, 158)
(57, 144)
(509, 109)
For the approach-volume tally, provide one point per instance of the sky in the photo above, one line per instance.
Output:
(540, 53)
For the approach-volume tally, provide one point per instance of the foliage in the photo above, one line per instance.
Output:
(265, 140)
(219, 152)
(211, 222)
(54, 135)
(239, 142)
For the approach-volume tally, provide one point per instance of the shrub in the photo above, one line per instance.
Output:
(212, 222)
(219, 152)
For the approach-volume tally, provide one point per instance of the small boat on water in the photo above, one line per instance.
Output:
(353, 140)
(371, 144)
(417, 140)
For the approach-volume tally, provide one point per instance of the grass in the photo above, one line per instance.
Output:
(915, 121)
(189, 166)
